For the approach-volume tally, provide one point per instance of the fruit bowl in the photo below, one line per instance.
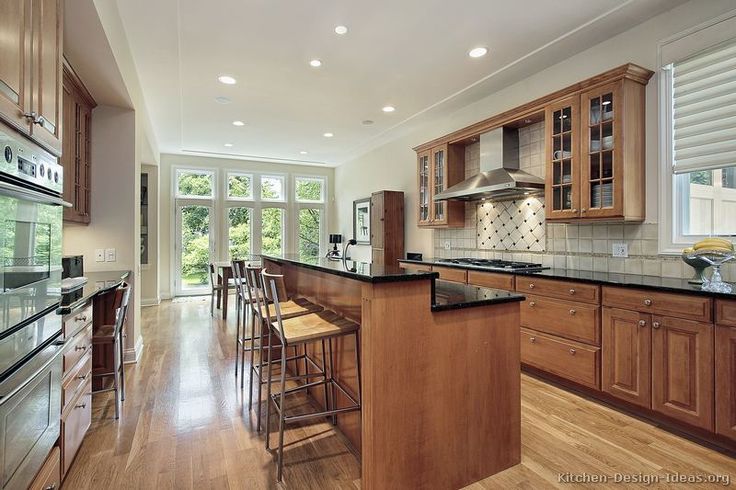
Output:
(715, 258)
(699, 264)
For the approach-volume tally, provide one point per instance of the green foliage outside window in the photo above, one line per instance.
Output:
(239, 233)
(195, 184)
(195, 240)
(272, 232)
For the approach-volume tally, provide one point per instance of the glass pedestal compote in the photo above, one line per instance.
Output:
(716, 259)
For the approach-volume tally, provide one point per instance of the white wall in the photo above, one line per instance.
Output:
(114, 203)
(166, 186)
(393, 166)
(150, 276)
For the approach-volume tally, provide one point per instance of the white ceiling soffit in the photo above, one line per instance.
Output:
(411, 54)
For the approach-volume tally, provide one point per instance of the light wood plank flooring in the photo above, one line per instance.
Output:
(185, 425)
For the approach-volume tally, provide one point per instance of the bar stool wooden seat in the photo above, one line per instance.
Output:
(291, 308)
(113, 335)
(320, 327)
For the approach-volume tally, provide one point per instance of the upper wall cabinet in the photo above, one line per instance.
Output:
(30, 72)
(439, 168)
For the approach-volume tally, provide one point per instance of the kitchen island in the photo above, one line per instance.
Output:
(440, 371)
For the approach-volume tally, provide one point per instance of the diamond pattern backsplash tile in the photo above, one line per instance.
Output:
(516, 225)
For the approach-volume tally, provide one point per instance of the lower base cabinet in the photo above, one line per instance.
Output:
(75, 421)
(726, 381)
(565, 358)
(49, 477)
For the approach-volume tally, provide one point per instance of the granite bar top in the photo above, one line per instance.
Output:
(97, 282)
(674, 285)
(452, 296)
(360, 271)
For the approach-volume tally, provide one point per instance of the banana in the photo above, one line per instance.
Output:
(713, 244)
(716, 249)
(688, 251)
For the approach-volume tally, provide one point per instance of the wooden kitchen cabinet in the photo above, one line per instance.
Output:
(49, 476)
(439, 168)
(30, 72)
(387, 227)
(725, 360)
(562, 144)
(78, 105)
(626, 347)
(682, 370)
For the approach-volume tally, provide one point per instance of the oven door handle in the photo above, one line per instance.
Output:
(55, 349)
(32, 195)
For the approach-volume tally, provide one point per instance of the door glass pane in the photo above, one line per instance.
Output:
(309, 232)
(195, 246)
(272, 231)
(239, 232)
(193, 183)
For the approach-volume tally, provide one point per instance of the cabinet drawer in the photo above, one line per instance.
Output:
(78, 346)
(726, 312)
(576, 321)
(450, 274)
(49, 476)
(410, 266)
(76, 379)
(74, 424)
(565, 358)
(572, 291)
(77, 320)
(491, 280)
(676, 305)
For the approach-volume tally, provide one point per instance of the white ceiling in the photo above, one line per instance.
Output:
(408, 53)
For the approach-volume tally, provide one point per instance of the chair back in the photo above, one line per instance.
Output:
(213, 276)
(275, 284)
(255, 291)
(238, 267)
(122, 300)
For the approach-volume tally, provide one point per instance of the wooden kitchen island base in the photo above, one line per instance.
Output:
(441, 384)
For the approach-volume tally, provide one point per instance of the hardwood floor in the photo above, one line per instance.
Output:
(184, 425)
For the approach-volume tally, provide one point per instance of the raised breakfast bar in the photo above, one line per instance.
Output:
(440, 371)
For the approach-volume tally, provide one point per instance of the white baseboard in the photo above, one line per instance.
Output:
(150, 301)
(166, 296)
(132, 356)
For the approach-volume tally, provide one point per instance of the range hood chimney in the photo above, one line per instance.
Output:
(499, 177)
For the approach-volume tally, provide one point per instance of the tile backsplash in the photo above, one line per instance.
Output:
(570, 246)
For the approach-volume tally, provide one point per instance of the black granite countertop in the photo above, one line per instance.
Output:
(452, 296)
(360, 271)
(97, 282)
(657, 283)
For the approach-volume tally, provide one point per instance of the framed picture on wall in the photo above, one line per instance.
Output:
(362, 221)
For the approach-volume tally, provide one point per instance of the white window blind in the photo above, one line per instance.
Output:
(704, 110)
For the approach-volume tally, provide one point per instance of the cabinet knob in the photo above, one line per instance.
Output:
(642, 323)
(572, 352)
(82, 377)
(572, 291)
(81, 405)
(647, 302)
(532, 304)
(80, 347)
(35, 117)
(531, 285)
(532, 339)
(51, 487)
(655, 325)
(573, 311)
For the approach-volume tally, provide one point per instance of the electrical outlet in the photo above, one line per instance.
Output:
(620, 250)
(110, 255)
(99, 255)
(447, 245)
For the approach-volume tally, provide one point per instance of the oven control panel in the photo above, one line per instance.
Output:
(24, 160)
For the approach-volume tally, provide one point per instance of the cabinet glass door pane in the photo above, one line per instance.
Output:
(601, 136)
(439, 184)
(424, 188)
(562, 159)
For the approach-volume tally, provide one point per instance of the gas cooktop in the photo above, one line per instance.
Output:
(496, 264)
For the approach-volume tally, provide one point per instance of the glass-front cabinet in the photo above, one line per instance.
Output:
(440, 167)
(439, 183)
(424, 188)
(562, 193)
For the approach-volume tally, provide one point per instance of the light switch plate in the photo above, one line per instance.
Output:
(620, 249)
(99, 255)
(110, 255)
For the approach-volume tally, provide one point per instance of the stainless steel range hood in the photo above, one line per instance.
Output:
(499, 177)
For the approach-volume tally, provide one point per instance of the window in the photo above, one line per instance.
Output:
(239, 232)
(309, 189)
(272, 188)
(196, 184)
(698, 147)
(239, 186)
(272, 231)
(310, 232)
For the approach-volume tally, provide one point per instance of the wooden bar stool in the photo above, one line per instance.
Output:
(113, 335)
(291, 308)
(299, 331)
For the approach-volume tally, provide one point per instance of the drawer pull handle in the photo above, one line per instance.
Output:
(81, 347)
(81, 405)
(80, 318)
(531, 285)
(647, 302)
(82, 376)
(532, 304)
(573, 311)
(655, 324)
(642, 323)
(51, 487)
(572, 352)
(572, 291)
(532, 339)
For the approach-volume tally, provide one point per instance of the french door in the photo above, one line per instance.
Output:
(194, 248)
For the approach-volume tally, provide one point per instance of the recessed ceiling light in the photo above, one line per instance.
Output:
(238, 123)
(303, 152)
(389, 108)
(477, 52)
(341, 30)
(367, 122)
(227, 80)
(328, 135)
(315, 63)
(222, 100)
(228, 145)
